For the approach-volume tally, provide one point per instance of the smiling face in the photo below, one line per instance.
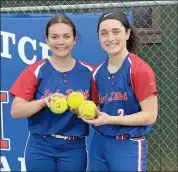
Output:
(60, 39)
(113, 36)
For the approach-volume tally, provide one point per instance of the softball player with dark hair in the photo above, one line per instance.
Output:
(56, 142)
(124, 88)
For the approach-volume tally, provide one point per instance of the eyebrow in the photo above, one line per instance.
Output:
(63, 34)
(114, 29)
(104, 30)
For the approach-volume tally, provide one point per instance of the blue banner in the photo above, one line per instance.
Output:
(23, 43)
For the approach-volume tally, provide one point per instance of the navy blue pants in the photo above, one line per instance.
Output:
(53, 154)
(111, 154)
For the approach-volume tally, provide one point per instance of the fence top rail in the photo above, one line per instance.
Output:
(88, 6)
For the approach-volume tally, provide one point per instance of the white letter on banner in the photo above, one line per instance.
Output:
(4, 164)
(5, 43)
(22, 162)
(21, 47)
(4, 142)
(45, 50)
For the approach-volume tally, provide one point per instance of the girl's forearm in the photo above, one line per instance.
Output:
(137, 119)
(27, 109)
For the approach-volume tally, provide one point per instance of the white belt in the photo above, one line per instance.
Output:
(66, 137)
(60, 137)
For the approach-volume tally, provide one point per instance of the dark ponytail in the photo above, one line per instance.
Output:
(133, 43)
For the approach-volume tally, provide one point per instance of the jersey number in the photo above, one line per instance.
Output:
(120, 112)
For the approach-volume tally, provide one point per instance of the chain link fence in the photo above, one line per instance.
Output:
(156, 23)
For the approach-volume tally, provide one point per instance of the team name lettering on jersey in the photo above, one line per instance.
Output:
(68, 91)
(117, 96)
(102, 99)
(113, 96)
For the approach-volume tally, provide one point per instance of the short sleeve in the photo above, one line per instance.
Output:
(143, 81)
(25, 85)
(94, 91)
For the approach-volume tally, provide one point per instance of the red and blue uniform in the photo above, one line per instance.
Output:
(43, 151)
(116, 147)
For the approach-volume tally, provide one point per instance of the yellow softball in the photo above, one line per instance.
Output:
(74, 99)
(87, 110)
(59, 105)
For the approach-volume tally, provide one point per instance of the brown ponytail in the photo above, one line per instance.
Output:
(133, 43)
